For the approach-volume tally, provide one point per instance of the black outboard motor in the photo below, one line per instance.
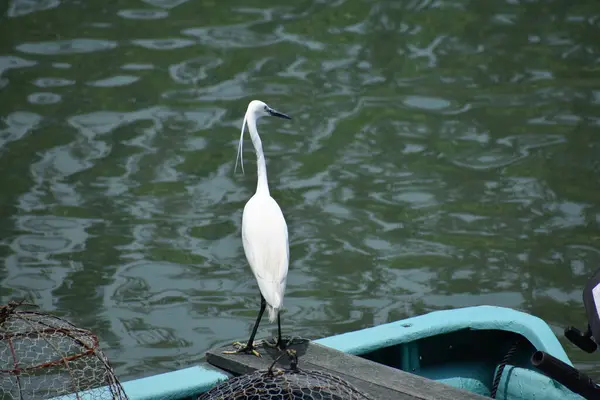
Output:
(573, 379)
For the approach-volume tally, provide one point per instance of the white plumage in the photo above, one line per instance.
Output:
(265, 239)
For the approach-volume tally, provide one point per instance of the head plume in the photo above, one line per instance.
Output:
(240, 152)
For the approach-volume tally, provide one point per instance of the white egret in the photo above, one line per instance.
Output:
(264, 232)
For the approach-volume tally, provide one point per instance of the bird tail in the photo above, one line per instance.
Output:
(273, 294)
(272, 313)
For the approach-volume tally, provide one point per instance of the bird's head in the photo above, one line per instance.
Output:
(259, 109)
(256, 109)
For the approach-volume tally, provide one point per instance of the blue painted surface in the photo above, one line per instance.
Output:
(174, 385)
(469, 376)
(518, 382)
(515, 383)
(168, 386)
(522, 383)
(446, 321)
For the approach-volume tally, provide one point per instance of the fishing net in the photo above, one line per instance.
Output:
(290, 384)
(44, 357)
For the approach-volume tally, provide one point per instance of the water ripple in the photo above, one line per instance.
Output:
(231, 89)
(163, 44)
(53, 82)
(44, 98)
(234, 36)
(165, 3)
(143, 14)
(115, 81)
(508, 150)
(10, 62)
(74, 46)
(17, 125)
(191, 71)
(19, 8)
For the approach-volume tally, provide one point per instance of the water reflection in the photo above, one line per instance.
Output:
(19, 8)
(74, 46)
(143, 14)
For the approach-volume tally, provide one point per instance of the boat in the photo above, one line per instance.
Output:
(480, 349)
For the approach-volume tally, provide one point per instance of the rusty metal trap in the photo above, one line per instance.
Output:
(44, 357)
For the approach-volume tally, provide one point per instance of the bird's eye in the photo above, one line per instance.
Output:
(266, 108)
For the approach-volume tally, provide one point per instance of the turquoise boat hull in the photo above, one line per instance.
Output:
(462, 348)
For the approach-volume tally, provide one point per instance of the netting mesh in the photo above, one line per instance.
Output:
(43, 356)
(292, 384)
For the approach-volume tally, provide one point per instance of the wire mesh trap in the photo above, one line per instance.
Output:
(43, 357)
(289, 384)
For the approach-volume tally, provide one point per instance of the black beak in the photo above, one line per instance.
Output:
(275, 113)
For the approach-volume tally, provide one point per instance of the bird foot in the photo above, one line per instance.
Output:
(284, 343)
(274, 344)
(243, 348)
(293, 360)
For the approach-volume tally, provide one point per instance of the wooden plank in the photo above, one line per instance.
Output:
(239, 364)
(375, 380)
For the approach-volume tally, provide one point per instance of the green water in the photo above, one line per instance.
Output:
(442, 154)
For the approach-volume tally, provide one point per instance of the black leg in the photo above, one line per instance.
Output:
(282, 345)
(263, 305)
(249, 347)
(279, 342)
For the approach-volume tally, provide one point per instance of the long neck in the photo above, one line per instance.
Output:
(262, 185)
